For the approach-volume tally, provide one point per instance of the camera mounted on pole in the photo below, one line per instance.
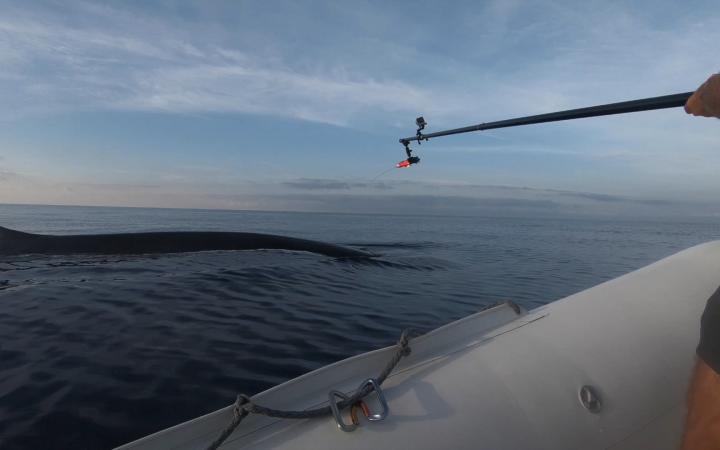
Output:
(421, 123)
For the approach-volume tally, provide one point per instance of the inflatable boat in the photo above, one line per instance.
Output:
(606, 368)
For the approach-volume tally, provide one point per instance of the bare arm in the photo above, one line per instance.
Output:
(702, 426)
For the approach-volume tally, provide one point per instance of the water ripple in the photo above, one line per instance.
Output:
(97, 351)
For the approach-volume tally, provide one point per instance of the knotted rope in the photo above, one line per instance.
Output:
(245, 406)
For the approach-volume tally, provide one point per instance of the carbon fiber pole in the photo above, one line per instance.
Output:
(645, 104)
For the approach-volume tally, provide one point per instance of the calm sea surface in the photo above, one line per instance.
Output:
(96, 351)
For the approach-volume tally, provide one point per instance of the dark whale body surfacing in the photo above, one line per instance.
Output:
(17, 243)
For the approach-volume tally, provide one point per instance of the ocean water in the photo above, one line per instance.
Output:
(96, 351)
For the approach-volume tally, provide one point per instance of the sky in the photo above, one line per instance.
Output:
(286, 105)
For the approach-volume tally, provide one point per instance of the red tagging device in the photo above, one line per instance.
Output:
(403, 164)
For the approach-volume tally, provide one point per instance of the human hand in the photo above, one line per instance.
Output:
(706, 100)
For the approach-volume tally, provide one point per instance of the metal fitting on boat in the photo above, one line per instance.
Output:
(590, 399)
(334, 396)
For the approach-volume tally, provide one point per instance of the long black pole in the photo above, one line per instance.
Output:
(645, 104)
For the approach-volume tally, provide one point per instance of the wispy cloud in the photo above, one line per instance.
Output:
(314, 184)
(146, 66)
(371, 67)
(339, 196)
(247, 89)
(111, 58)
(6, 175)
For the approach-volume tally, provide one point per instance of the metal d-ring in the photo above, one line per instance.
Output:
(381, 398)
(334, 395)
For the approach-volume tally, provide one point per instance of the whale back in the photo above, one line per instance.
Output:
(18, 242)
(7, 234)
(12, 242)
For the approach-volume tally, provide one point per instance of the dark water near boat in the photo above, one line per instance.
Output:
(97, 351)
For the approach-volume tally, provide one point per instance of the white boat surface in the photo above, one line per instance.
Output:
(500, 379)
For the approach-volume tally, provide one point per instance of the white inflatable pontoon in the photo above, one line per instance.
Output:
(607, 368)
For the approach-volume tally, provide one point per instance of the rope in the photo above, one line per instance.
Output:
(245, 406)
(239, 413)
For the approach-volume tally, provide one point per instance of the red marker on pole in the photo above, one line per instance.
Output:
(408, 162)
(403, 164)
